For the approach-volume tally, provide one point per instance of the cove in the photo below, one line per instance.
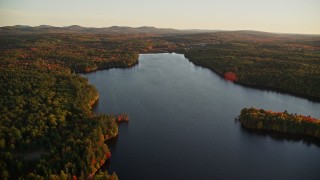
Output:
(182, 125)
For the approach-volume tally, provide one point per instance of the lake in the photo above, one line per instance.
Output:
(182, 125)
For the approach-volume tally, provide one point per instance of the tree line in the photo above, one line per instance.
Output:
(280, 122)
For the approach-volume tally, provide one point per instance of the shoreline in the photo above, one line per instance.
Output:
(107, 138)
(262, 87)
(106, 68)
(243, 84)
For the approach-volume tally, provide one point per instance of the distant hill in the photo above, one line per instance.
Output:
(198, 34)
(19, 29)
(23, 29)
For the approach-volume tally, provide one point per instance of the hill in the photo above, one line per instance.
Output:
(18, 29)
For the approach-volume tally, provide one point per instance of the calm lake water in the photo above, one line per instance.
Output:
(182, 125)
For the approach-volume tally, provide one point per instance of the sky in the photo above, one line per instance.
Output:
(283, 16)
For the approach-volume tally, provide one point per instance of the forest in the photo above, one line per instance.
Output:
(47, 129)
(280, 122)
(284, 63)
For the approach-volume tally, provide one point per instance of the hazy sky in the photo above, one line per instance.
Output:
(293, 16)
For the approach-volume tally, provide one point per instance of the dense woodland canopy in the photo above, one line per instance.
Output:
(282, 62)
(286, 63)
(47, 128)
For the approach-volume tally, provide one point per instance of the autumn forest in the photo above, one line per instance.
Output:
(47, 127)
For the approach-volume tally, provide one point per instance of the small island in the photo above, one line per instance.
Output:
(285, 122)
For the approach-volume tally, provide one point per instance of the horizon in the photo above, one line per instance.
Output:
(209, 30)
(286, 16)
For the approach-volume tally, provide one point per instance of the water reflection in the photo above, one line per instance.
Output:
(281, 137)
